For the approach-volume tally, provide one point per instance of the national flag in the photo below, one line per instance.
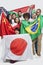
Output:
(18, 47)
(6, 28)
(33, 28)
(23, 9)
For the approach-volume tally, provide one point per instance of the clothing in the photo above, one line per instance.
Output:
(39, 44)
(31, 20)
(13, 23)
(24, 31)
(24, 24)
(10, 21)
(17, 25)
(21, 18)
(34, 48)
(36, 45)
(35, 37)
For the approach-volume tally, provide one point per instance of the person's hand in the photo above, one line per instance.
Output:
(16, 32)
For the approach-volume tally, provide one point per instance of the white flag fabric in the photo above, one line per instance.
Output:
(18, 47)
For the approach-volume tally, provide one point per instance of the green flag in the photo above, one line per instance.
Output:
(41, 21)
(34, 26)
(24, 24)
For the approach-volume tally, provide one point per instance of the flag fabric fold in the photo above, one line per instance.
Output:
(24, 9)
(18, 47)
(6, 28)
(33, 27)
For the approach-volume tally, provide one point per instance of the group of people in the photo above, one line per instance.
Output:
(22, 20)
(15, 22)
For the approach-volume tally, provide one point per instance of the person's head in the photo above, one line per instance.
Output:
(13, 16)
(17, 20)
(9, 16)
(38, 12)
(19, 13)
(26, 16)
(16, 31)
(34, 16)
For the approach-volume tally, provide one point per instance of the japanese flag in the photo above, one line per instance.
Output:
(18, 47)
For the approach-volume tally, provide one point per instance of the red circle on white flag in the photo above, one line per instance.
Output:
(18, 46)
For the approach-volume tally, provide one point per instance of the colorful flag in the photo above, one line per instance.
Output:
(6, 28)
(32, 28)
(24, 9)
(18, 47)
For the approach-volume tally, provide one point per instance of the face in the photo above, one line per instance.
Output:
(10, 17)
(17, 20)
(19, 13)
(34, 16)
(13, 16)
(38, 12)
(26, 18)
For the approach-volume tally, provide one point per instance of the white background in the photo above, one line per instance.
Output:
(13, 4)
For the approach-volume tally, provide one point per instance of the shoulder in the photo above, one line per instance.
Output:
(24, 21)
(41, 17)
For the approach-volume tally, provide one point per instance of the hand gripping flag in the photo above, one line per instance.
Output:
(33, 28)
(6, 28)
(18, 47)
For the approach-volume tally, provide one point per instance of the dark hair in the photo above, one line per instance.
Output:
(17, 29)
(13, 14)
(18, 21)
(39, 9)
(8, 16)
(26, 15)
